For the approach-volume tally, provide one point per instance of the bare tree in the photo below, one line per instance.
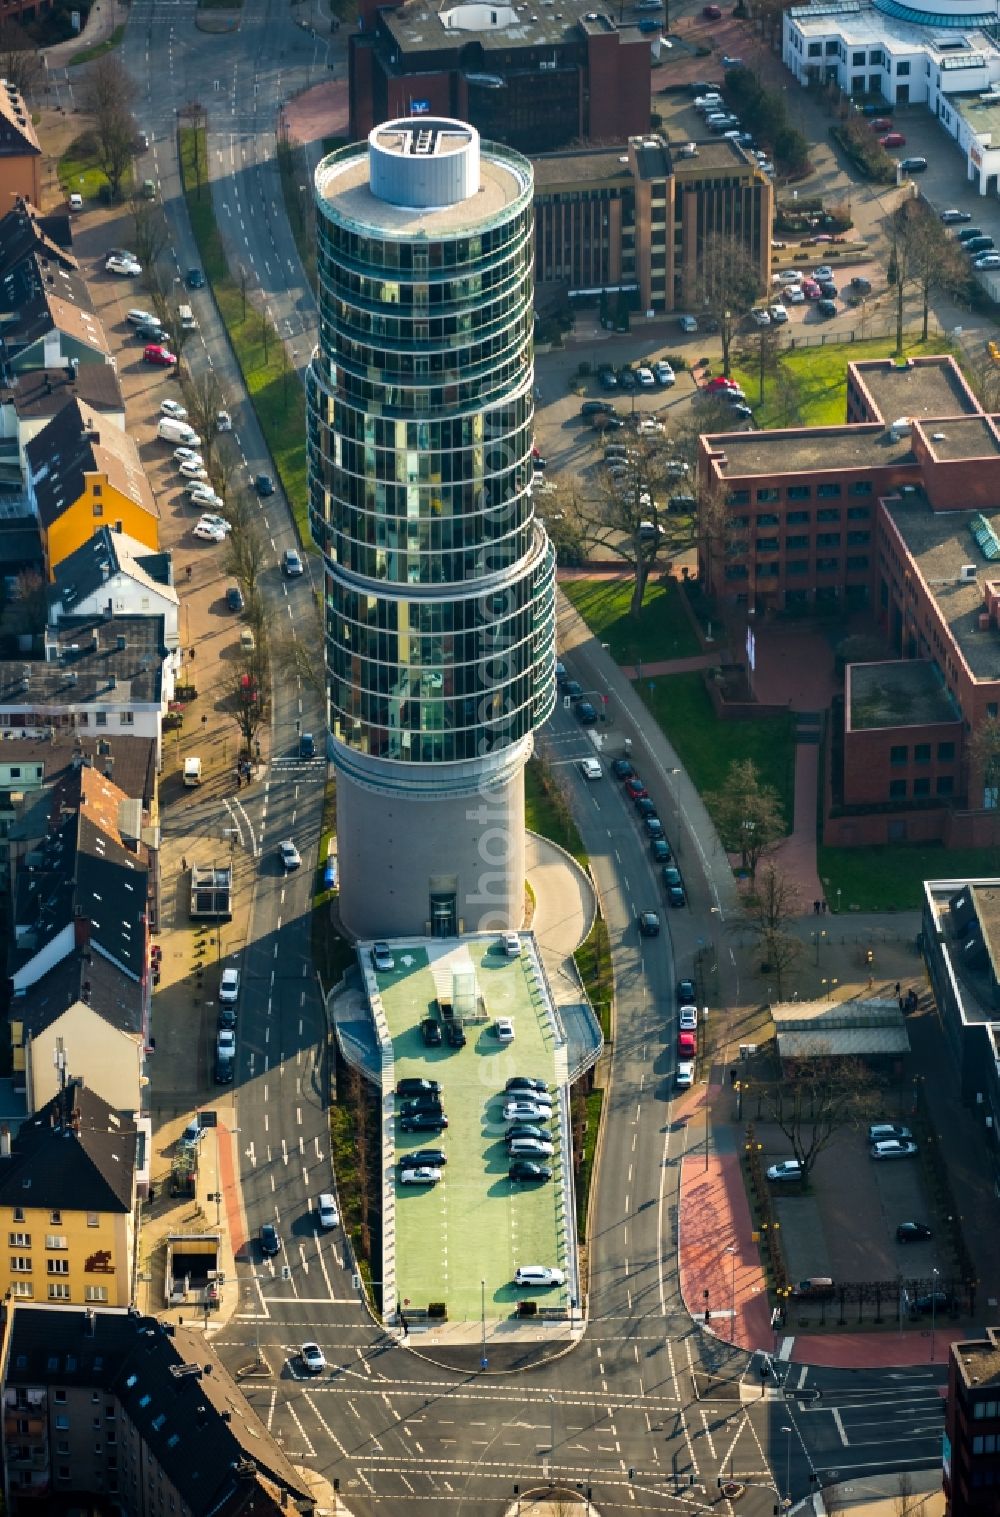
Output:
(771, 908)
(716, 526)
(108, 96)
(759, 352)
(927, 256)
(300, 658)
(249, 696)
(204, 398)
(20, 61)
(815, 1100)
(747, 814)
(246, 554)
(729, 282)
(149, 231)
(984, 764)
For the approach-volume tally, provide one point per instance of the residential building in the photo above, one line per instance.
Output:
(106, 1408)
(47, 318)
(109, 676)
(84, 473)
(67, 1199)
(636, 218)
(535, 81)
(20, 151)
(896, 512)
(37, 395)
(971, 1463)
(112, 574)
(439, 579)
(25, 229)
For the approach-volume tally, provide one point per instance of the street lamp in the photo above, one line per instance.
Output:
(216, 1196)
(817, 939)
(935, 1273)
(483, 1361)
(674, 772)
(788, 1464)
(732, 1249)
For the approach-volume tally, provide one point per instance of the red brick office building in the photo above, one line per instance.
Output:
(972, 1428)
(898, 512)
(536, 77)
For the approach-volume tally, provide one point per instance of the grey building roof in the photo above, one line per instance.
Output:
(75, 1154)
(42, 392)
(37, 274)
(75, 443)
(102, 556)
(115, 660)
(25, 230)
(129, 761)
(81, 976)
(193, 1418)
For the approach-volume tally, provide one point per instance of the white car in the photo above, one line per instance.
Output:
(526, 1111)
(425, 1175)
(224, 421)
(229, 988)
(590, 768)
(684, 1078)
(124, 266)
(538, 1274)
(290, 856)
(173, 408)
(326, 1211)
(503, 1027)
(645, 378)
(880, 1132)
(823, 273)
(778, 314)
(382, 958)
(226, 1041)
(987, 261)
(188, 456)
(137, 317)
(761, 317)
(787, 1169)
(687, 1019)
(218, 522)
(203, 495)
(192, 470)
(894, 1148)
(791, 276)
(313, 1358)
(794, 295)
(76, 201)
(208, 534)
(650, 427)
(664, 374)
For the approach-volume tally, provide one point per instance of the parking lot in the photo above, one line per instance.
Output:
(844, 1226)
(476, 1225)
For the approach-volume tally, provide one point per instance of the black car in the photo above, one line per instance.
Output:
(432, 1158)
(933, 1301)
(572, 688)
(596, 407)
(607, 379)
(826, 308)
(671, 876)
(627, 379)
(653, 826)
(525, 1082)
(586, 714)
(649, 924)
(227, 1016)
(687, 994)
(430, 1031)
(561, 675)
(660, 849)
(264, 485)
(860, 285)
(424, 1121)
(645, 806)
(195, 279)
(234, 598)
(270, 1243)
(676, 896)
(422, 1103)
(622, 769)
(151, 331)
(829, 289)
(913, 165)
(454, 1034)
(525, 1130)
(523, 1169)
(412, 1088)
(913, 1232)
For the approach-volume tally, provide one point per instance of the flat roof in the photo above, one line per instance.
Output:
(476, 1225)
(422, 25)
(918, 389)
(940, 543)
(973, 985)
(978, 1360)
(840, 1029)
(556, 170)
(714, 154)
(866, 25)
(983, 117)
(960, 437)
(898, 693)
(825, 449)
(342, 181)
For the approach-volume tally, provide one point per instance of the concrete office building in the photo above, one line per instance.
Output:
(439, 580)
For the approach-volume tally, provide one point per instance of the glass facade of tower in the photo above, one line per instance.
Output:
(440, 583)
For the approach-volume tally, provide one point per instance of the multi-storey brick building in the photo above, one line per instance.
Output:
(536, 78)
(972, 1428)
(637, 218)
(897, 511)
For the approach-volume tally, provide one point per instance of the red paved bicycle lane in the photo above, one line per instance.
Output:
(720, 1269)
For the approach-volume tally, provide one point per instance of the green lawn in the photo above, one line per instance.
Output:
(706, 747)
(811, 390)
(586, 1170)
(88, 54)
(593, 960)
(546, 812)
(79, 171)
(271, 382)
(883, 879)
(661, 631)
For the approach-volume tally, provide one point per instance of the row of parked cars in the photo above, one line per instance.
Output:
(645, 377)
(980, 248)
(527, 1112)
(725, 123)
(886, 1140)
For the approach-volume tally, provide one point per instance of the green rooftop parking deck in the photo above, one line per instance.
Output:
(444, 1242)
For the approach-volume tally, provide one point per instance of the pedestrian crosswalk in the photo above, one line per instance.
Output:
(314, 768)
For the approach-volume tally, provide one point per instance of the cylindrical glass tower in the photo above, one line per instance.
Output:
(439, 580)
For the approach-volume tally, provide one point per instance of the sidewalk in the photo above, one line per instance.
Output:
(102, 19)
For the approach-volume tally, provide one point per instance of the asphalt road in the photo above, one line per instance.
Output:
(647, 1412)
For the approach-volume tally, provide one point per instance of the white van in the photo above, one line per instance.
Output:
(169, 430)
(538, 1274)
(187, 318)
(192, 771)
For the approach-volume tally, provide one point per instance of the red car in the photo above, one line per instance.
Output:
(687, 1045)
(721, 383)
(159, 355)
(636, 788)
(811, 289)
(893, 139)
(881, 124)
